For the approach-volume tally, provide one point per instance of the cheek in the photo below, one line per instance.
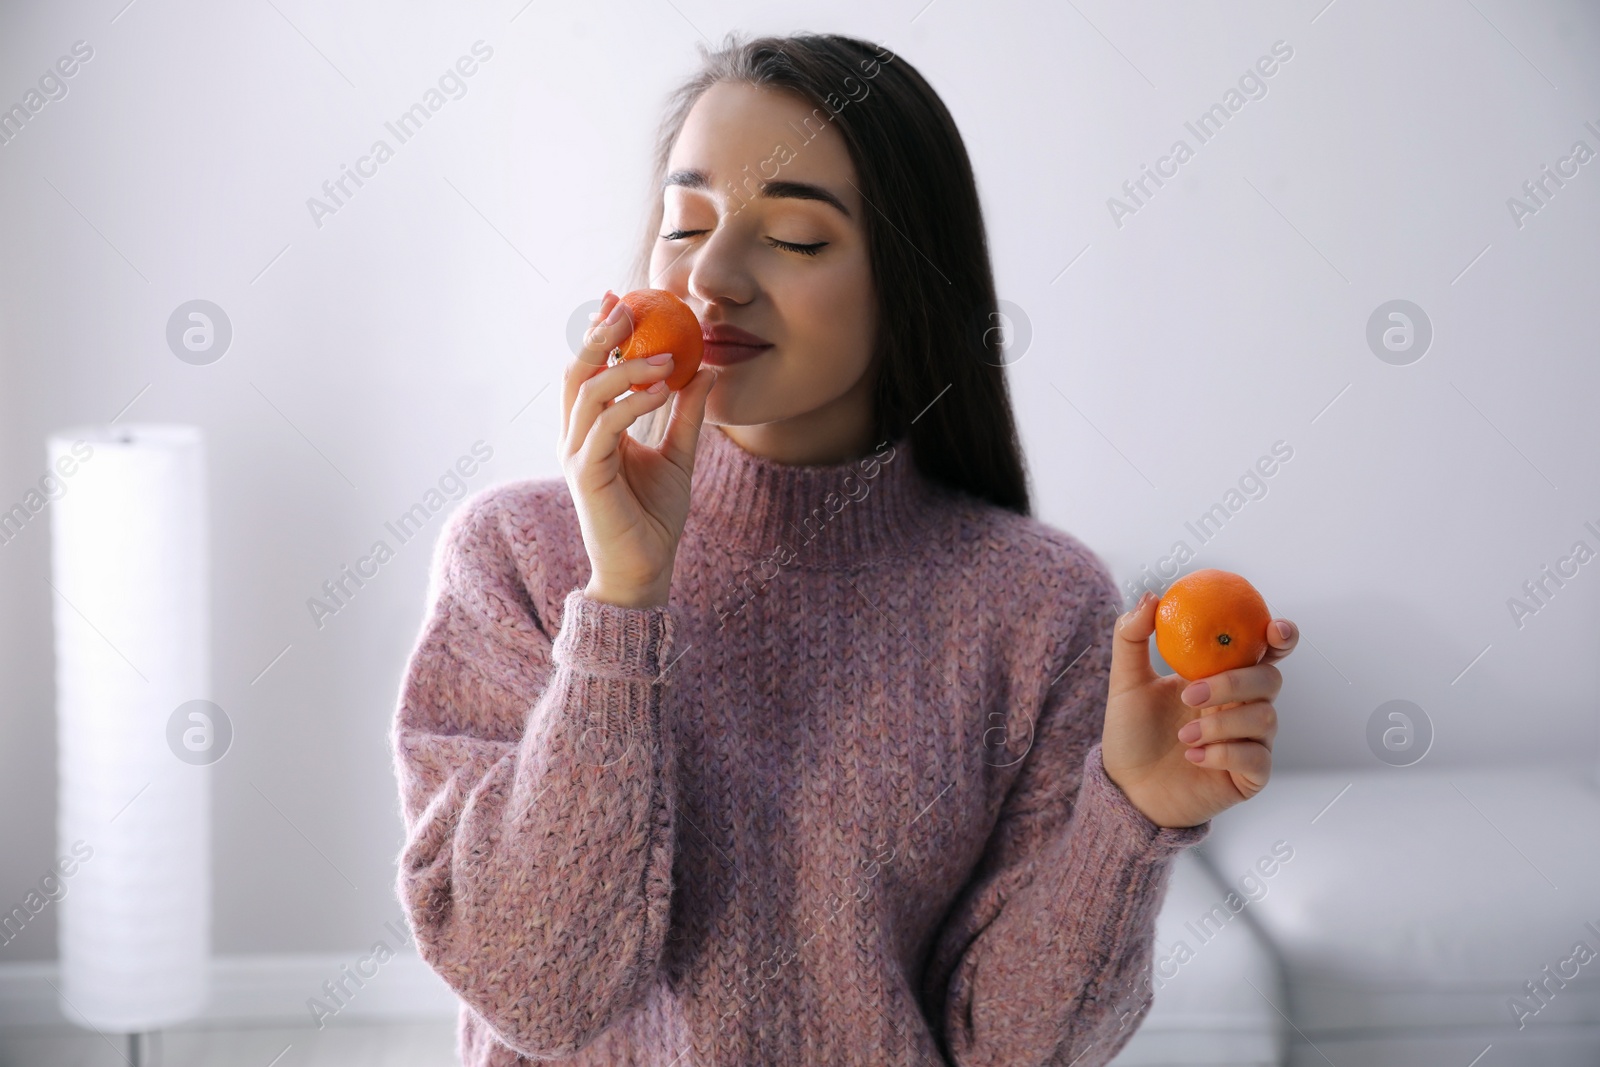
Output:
(670, 264)
(659, 260)
(839, 316)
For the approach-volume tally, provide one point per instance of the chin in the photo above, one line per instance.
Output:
(733, 407)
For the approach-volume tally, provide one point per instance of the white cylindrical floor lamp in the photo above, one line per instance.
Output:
(130, 571)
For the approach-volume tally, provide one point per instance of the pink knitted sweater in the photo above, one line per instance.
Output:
(839, 802)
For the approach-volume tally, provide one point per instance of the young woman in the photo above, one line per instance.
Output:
(783, 733)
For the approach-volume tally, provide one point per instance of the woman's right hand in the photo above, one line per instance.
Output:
(631, 499)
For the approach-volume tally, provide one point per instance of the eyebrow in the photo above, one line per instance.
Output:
(772, 190)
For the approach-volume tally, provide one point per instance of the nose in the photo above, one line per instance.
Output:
(719, 272)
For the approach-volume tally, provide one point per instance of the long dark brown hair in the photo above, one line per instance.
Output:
(938, 353)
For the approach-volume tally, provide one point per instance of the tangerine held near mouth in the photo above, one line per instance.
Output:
(1211, 621)
(662, 323)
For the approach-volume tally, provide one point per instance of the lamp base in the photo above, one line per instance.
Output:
(144, 1049)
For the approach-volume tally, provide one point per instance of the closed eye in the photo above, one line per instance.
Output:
(804, 250)
(787, 246)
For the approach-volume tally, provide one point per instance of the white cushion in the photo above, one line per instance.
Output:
(1205, 1010)
(1428, 898)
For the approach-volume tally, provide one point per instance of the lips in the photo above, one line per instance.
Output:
(726, 344)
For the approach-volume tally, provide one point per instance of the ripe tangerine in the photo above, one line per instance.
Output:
(662, 323)
(1211, 621)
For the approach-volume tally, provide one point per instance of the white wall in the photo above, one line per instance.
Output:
(1228, 313)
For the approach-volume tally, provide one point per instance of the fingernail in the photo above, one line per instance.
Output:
(1190, 733)
(1194, 755)
(1284, 630)
(1148, 596)
(657, 387)
(659, 358)
(1197, 694)
(614, 314)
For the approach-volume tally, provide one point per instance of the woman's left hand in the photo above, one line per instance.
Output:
(1231, 716)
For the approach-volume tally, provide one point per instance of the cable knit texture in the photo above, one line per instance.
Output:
(840, 801)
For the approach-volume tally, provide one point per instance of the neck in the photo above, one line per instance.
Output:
(834, 433)
(801, 448)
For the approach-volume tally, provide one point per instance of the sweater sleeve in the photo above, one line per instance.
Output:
(1040, 959)
(537, 792)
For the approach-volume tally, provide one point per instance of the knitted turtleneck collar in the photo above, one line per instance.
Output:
(825, 515)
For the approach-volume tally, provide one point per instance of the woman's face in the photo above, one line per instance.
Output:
(750, 238)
